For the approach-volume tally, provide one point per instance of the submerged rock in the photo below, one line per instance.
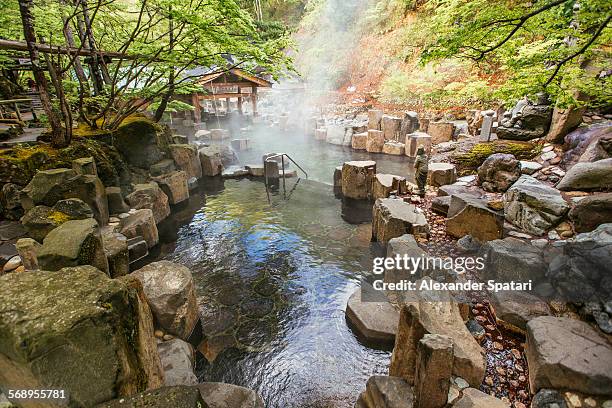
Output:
(177, 360)
(71, 326)
(374, 321)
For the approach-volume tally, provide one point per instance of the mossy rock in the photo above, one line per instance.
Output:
(76, 330)
(470, 156)
(19, 164)
(142, 142)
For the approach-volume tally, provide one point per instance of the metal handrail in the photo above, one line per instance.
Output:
(282, 156)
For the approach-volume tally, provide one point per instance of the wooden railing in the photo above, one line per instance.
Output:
(11, 110)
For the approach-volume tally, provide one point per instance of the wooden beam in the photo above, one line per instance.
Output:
(50, 49)
(220, 96)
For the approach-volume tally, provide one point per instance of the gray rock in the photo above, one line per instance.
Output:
(516, 308)
(151, 197)
(511, 259)
(526, 122)
(435, 312)
(10, 201)
(455, 189)
(563, 353)
(393, 217)
(374, 322)
(171, 295)
(75, 242)
(174, 185)
(410, 123)
(177, 360)
(592, 211)
(470, 215)
(212, 163)
(85, 165)
(187, 159)
(433, 371)
(473, 398)
(534, 206)
(386, 392)
(220, 395)
(596, 176)
(117, 254)
(441, 205)
(384, 184)
(116, 204)
(163, 167)
(71, 326)
(440, 174)
(529, 167)
(548, 399)
(357, 178)
(498, 172)
(140, 223)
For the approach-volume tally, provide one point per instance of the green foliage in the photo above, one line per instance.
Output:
(552, 46)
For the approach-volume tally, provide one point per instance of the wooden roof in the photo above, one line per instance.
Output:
(242, 75)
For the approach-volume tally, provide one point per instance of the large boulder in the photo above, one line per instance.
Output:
(384, 184)
(393, 217)
(41, 220)
(141, 142)
(76, 330)
(48, 187)
(375, 119)
(171, 295)
(394, 148)
(511, 259)
(415, 140)
(526, 121)
(76, 242)
(516, 308)
(410, 123)
(212, 165)
(440, 174)
(140, 223)
(357, 178)
(221, 395)
(534, 206)
(165, 166)
(187, 159)
(592, 211)
(580, 269)
(564, 353)
(584, 176)
(435, 312)
(386, 392)
(498, 172)
(470, 215)
(183, 396)
(174, 185)
(177, 360)
(149, 195)
(564, 121)
(374, 322)
(440, 132)
(116, 203)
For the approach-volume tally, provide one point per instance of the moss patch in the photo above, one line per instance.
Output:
(470, 157)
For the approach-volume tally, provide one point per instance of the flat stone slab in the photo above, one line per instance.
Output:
(516, 308)
(393, 217)
(221, 395)
(473, 398)
(386, 392)
(374, 322)
(564, 353)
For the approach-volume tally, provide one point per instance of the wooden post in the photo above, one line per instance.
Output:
(197, 109)
(228, 106)
(239, 101)
(254, 100)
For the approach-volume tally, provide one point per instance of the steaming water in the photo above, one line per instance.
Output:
(273, 279)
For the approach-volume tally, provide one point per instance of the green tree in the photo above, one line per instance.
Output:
(557, 46)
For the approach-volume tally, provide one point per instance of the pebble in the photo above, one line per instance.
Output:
(168, 337)
(548, 148)
(553, 235)
(498, 346)
(556, 160)
(489, 381)
(573, 399)
(461, 383)
(20, 269)
(516, 354)
(453, 395)
(113, 219)
(548, 156)
(596, 117)
(12, 264)
(518, 234)
(500, 371)
(607, 404)
(518, 404)
(590, 402)
(159, 334)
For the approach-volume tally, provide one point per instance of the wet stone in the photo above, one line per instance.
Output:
(265, 287)
(254, 333)
(257, 307)
(220, 321)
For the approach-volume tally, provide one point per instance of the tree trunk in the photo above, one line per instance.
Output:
(58, 133)
(78, 68)
(159, 112)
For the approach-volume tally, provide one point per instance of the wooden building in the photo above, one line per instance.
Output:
(233, 84)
